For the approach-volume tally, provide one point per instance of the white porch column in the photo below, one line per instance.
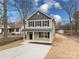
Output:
(8, 30)
(50, 33)
(26, 35)
(23, 36)
(33, 35)
(14, 30)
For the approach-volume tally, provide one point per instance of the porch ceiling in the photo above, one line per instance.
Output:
(38, 29)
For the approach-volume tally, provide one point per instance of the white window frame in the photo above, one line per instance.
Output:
(44, 34)
(46, 23)
(30, 23)
(37, 23)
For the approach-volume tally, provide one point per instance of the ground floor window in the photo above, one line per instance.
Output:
(11, 30)
(44, 34)
(17, 30)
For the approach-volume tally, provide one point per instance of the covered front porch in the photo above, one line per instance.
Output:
(39, 36)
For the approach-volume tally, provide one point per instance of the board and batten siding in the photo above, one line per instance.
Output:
(38, 15)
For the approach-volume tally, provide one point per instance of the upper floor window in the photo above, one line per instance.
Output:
(31, 24)
(37, 23)
(46, 23)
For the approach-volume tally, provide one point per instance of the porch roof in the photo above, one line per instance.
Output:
(38, 29)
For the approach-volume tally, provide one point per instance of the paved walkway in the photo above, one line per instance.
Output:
(26, 51)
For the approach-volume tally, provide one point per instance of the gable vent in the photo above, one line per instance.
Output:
(38, 13)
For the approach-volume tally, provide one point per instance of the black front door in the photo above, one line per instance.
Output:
(30, 35)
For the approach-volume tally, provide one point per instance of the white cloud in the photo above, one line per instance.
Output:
(57, 18)
(36, 0)
(57, 5)
(48, 4)
(51, 15)
(44, 8)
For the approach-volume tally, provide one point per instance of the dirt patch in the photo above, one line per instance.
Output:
(64, 48)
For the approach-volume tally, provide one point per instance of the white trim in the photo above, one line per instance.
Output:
(40, 20)
(53, 31)
(33, 36)
(15, 30)
(41, 23)
(50, 38)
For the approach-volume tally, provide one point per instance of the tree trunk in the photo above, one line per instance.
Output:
(24, 28)
(76, 26)
(71, 29)
(5, 18)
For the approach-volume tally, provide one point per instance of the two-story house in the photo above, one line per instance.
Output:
(40, 27)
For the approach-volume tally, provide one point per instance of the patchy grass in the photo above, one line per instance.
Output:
(11, 38)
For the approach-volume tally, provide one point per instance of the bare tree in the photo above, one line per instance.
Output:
(70, 6)
(5, 18)
(1, 12)
(23, 7)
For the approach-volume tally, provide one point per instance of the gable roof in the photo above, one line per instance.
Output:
(2, 26)
(39, 12)
(15, 25)
(12, 25)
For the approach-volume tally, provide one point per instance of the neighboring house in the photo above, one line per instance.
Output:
(40, 27)
(13, 28)
(2, 28)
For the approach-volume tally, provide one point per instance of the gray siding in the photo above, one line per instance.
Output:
(36, 17)
(40, 16)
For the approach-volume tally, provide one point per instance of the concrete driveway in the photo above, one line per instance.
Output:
(26, 51)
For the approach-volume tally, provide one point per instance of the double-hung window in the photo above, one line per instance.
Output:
(31, 24)
(44, 34)
(37, 23)
(45, 23)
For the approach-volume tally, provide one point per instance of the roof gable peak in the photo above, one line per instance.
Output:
(38, 12)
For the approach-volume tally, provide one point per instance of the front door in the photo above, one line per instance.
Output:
(30, 35)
